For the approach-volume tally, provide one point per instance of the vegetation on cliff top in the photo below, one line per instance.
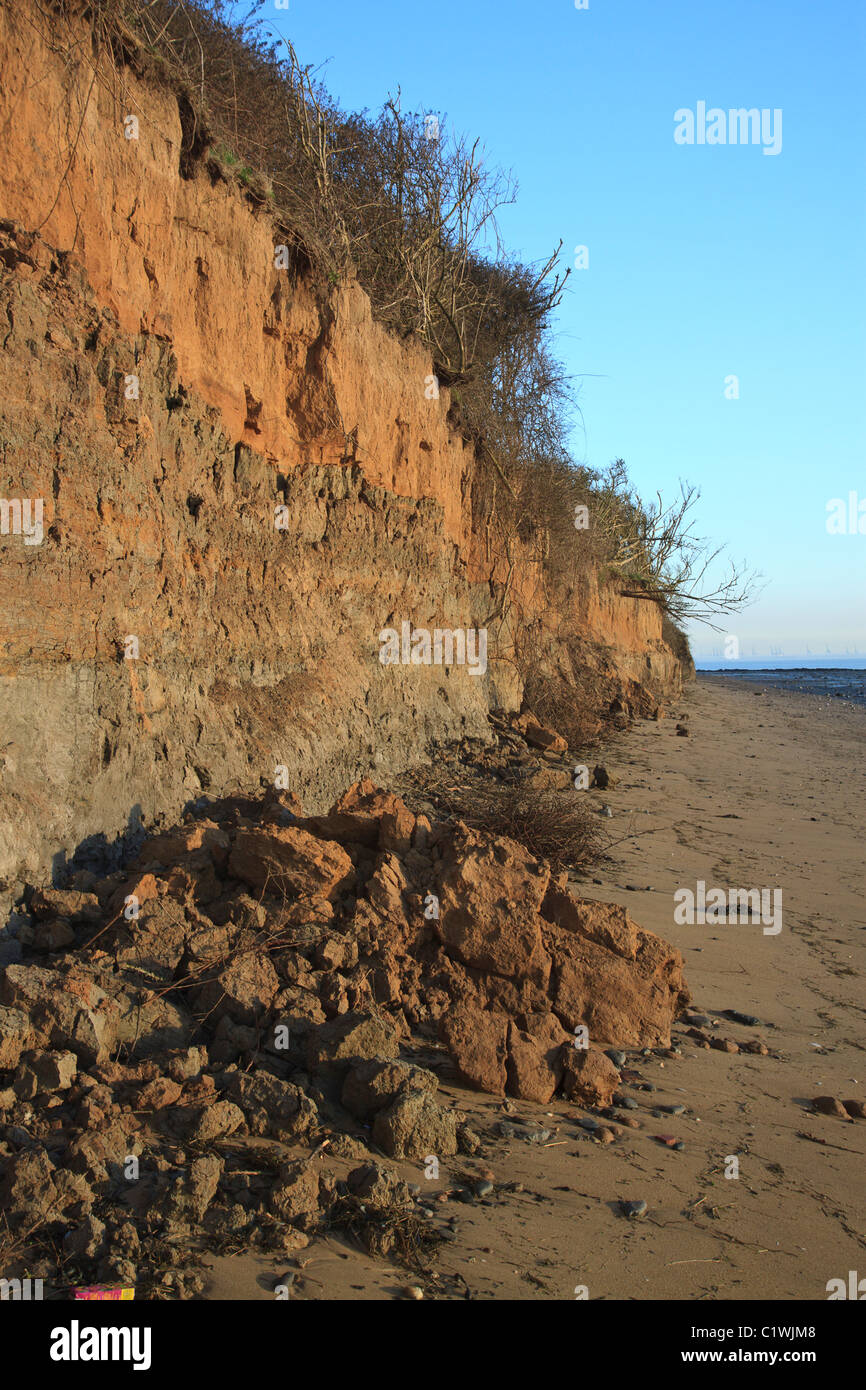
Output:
(409, 208)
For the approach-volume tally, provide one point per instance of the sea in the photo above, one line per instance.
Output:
(840, 677)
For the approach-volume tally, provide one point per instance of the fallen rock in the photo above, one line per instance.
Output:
(16, 1036)
(625, 984)
(157, 1094)
(291, 861)
(150, 947)
(214, 1122)
(49, 903)
(45, 1071)
(194, 1190)
(337, 953)
(46, 937)
(378, 1185)
(414, 1126)
(272, 1106)
(371, 1085)
(534, 1065)
(589, 1078)
(538, 735)
(478, 1043)
(365, 814)
(295, 1192)
(352, 1035)
(67, 1010)
(34, 1193)
(490, 892)
(85, 1241)
(243, 991)
(186, 839)
(187, 1064)
(829, 1105)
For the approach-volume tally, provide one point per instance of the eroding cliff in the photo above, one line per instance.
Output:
(241, 480)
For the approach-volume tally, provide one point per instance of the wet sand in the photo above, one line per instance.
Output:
(767, 791)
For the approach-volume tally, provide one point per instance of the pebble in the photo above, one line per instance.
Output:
(516, 1129)
(541, 1136)
(625, 1102)
(634, 1210)
(679, 1146)
(618, 1058)
(748, 1020)
(413, 1291)
(483, 1188)
(674, 1109)
(829, 1105)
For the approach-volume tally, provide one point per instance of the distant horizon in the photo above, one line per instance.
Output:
(805, 662)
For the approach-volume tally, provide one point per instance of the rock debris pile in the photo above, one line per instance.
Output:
(247, 986)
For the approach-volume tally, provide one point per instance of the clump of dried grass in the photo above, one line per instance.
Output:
(397, 1232)
(553, 825)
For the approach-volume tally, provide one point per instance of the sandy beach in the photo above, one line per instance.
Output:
(766, 791)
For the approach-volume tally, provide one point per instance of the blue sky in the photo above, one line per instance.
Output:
(705, 261)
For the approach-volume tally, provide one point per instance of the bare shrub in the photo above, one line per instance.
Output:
(571, 707)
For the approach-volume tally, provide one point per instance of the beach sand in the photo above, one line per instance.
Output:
(767, 791)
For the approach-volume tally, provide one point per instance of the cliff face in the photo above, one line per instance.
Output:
(241, 472)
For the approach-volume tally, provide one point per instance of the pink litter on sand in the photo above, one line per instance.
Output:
(96, 1292)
